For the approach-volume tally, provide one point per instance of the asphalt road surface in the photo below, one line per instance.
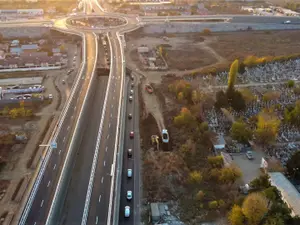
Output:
(100, 199)
(132, 184)
(76, 193)
(42, 201)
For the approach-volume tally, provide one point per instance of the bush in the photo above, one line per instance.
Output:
(213, 204)
(206, 31)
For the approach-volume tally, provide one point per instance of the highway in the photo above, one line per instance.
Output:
(41, 202)
(82, 192)
(133, 163)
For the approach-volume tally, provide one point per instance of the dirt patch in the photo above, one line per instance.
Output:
(181, 60)
(235, 45)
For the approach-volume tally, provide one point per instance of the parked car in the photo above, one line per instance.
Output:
(249, 155)
(129, 152)
(149, 89)
(127, 211)
(129, 173)
(129, 195)
(50, 96)
(131, 134)
(130, 116)
(165, 136)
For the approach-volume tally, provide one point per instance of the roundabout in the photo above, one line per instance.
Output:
(93, 22)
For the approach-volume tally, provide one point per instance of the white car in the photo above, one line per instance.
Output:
(129, 195)
(287, 22)
(129, 173)
(130, 98)
(127, 211)
(165, 136)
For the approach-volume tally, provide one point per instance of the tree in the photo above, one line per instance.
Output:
(240, 132)
(293, 166)
(255, 208)
(180, 96)
(271, 96)
(236, 100)
(216, 161)
(233, 74)
(271, 194)
(185, 118)
(267, 127)
(230, 174)
(292, 115)
(196, 97)
(195, 177)
(290, 84)
(206, 31)
(13, 113)
(274, 220)
(221, 100)
(236, 216)
(260, 183)
(213, 204)
(5, 111)
(247, 95)
(200, 195)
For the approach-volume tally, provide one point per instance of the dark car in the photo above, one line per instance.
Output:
(129, 152)
(131, 134)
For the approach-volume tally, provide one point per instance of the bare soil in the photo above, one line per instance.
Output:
(233, 45)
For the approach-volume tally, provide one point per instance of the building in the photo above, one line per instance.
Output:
(30, 48)
(160, 215)
(289, 193)
(219, 143)
(15, 51)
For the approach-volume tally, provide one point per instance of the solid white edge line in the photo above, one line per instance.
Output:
(95, 159)
(68, 153)
(117, 140)
(42, 166)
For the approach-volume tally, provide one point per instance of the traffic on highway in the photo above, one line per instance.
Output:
(92, 175)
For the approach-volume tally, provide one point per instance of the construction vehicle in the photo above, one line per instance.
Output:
(155, 141)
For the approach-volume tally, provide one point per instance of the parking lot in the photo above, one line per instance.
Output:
(250, 168)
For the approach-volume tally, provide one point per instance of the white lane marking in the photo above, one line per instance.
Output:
(54, 167)
(42, 203)
(99, 198)
(108, 125)
(114, 90)
(68, 128)
(104, 163)
(106, 149)
(75, 107)
(114, 98)
(112, 106)
(102, 180)
(107, 136)
(96, 219)
(59, 152)
(34, 223)
(111, 115)
(72, 117)
(48, 183)
(64, 139)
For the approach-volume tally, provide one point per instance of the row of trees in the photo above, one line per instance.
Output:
(17, 112)
(263, 206)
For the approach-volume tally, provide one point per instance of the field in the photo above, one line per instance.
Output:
(197, 51)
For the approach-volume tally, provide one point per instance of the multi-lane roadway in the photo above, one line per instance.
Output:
(87, 193)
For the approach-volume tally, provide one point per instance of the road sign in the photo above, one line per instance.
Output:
(53, 144)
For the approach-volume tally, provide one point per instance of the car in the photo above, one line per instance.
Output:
(63, 81)
(132, 84)
(131, 134)
(165, 136)
(249, 155)
(129, 173)
(132, 77)
(131, 91)
(149, 89)
(130, 116)
(130, 98)
(129, 152)
(287, 22)
(50, 96)
(127, 211)
(129, 195)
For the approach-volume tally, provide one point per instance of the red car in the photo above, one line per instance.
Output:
(131, 135)
(149, 89)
